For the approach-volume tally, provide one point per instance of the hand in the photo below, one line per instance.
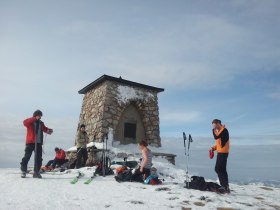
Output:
(50, 131)
(141, 169)
(211, 149)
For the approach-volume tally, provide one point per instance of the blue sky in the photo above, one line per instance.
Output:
(215, 59)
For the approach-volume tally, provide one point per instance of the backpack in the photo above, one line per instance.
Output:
(212, 187)
(198, 183)
(125, 176)
(121, 169)
(108, 170)
(152, 180)
(70, 164)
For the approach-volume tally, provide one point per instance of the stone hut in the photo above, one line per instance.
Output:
(129, 108)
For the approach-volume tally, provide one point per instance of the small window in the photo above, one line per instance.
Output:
(130, 130)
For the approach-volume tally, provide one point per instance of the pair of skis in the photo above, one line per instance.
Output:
(79, 176)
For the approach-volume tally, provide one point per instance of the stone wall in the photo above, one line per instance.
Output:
(103, 107)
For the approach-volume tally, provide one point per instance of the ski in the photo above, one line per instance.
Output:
(76, 179)
(89, 180)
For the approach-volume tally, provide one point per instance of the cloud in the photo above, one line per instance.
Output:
(181, 117)
(275, 95)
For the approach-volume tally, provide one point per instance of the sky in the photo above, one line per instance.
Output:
(215, 59)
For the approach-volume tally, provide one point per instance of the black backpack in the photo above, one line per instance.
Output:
(125, 176)
(107, 169)
(213, 187)
(198, 183)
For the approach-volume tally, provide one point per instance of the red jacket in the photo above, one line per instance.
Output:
(60, 154)
(30, 135)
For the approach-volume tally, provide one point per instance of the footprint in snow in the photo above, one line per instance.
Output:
(259, 198)
(266, 188)
(136, 202)
(173, 198)
(199, 204)
(163, 189)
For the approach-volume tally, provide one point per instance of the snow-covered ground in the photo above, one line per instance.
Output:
(54, 191)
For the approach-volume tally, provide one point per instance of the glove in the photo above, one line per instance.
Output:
(50, 131)
(211, 153)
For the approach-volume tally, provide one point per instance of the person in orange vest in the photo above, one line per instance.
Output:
(221, 135)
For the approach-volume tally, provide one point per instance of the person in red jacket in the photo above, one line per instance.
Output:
(58, 160)
(34, 141)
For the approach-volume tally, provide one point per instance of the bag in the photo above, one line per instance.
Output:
(198, 183)
(153, 180)
(125, 176)
(70, 164)
(213, 187)
(211, 154)
(121, 169)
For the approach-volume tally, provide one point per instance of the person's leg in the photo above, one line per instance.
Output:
(85, 157)
(146, 173)
(220, 169)
(224, 170)
(49, 163)
(54, 163)
(39, 160)
(59, 162)
(27, 154)
(79, 158)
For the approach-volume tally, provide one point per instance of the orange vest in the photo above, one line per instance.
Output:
(218, 145)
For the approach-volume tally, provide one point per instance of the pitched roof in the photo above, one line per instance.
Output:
(119, 80)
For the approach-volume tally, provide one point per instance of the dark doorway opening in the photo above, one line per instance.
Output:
(130, 130)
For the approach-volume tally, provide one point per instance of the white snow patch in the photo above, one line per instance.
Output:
(128, 93)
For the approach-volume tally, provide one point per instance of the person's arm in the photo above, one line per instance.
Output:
(216, 135)
(29, 121)
(145, 157)
(224, 137)
(46, 129)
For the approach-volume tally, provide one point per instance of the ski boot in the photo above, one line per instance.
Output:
(37, 175)
(224, 190)
(23, 174)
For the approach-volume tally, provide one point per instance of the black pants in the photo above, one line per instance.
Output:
(29, 148)
(56, 162)
(221, 168)
(138, 175)
(82, 157)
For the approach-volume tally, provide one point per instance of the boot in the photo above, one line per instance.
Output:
(37, 175)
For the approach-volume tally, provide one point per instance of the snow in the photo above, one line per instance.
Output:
(128, 93)
(54, 191)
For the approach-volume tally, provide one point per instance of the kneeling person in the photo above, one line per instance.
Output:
(144, 170)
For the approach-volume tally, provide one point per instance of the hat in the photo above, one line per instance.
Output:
(37, 113)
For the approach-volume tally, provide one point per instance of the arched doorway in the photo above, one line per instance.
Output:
(130, 129)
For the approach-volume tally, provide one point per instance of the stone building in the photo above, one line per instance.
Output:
(129, 108)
